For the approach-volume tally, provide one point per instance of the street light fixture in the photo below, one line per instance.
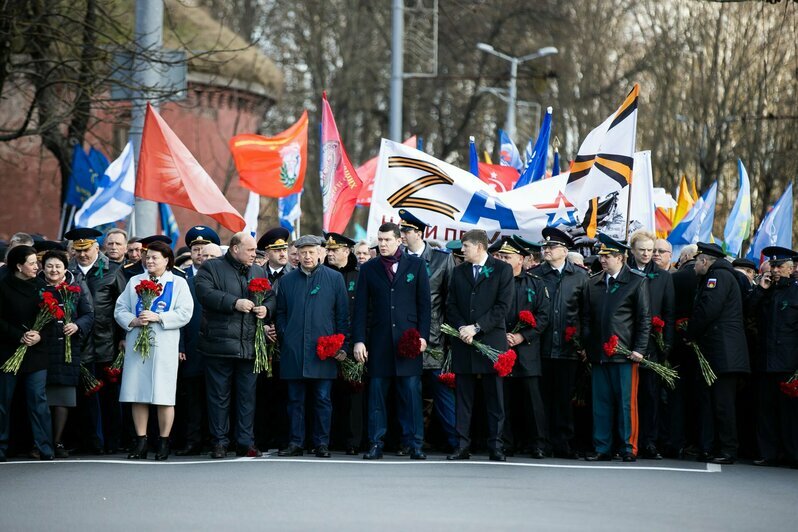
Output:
(509, 124)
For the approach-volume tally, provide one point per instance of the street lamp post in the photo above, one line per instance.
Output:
(509, 125)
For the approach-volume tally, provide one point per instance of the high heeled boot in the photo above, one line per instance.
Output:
(139, 451)
(163, 448)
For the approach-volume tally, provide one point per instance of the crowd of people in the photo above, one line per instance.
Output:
(324, 344)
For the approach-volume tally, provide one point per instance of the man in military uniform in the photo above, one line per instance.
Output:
(347, 401)
(196, 238)
(661, 300)
(439, 267)
(525, 415)
(566, 285)
(99, 413)
(275, 243)
(456, 247)
(617, 306)
(775, 303)
(717, 326)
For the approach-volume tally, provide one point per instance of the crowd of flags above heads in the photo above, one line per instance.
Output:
(101, 193)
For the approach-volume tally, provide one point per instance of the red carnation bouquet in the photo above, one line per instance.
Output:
(115, 369)
(706, 369)
(148, 291)
(69, 296)
(88, 382)
(329, 346)
(446, 375)
(657, 328)
(790, 386)
(503, 362)
(571, 337)
(614, 347)
(258, 287)
(48, 310)
(525, 319)
(409, 344)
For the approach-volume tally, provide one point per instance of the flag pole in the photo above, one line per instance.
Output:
(628, 209)
(61, 223)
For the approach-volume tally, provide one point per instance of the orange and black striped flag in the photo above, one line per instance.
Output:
(605, 158)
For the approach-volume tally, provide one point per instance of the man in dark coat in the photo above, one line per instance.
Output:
(392, 298)
(311, 304)
(522, 390)
(567, 285)
(717, 326)
(775, 303)
(439, 267)
(348, 404)
(196, 239)
(100, 415)
(227, 341)
(617, 306)
(661, 300)
(480, 294)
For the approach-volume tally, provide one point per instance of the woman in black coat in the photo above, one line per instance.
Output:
(19, 305)
(63, 377)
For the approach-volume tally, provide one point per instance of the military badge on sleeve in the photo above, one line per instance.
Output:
(712, 283)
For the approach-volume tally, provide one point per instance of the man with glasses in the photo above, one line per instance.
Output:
(662, 254)
(717, 326)
(566, 284)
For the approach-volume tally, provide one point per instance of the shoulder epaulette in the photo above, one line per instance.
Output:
(129, 265)
(638, 272)
(444, 251)
(595, 274)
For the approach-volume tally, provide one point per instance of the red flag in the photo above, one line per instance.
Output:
(340, 184)
(168, 173)
(273, 166)
(502, 178)
(368, 170)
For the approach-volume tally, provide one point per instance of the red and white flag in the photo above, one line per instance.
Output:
(168, 173)
(340, 184)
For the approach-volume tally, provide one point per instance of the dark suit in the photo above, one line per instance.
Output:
(483, 301)
(384, 309)
(190, 409)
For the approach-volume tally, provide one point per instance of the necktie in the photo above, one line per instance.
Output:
(477, 267)
(608, 282)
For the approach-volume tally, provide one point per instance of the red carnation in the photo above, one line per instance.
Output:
(328, 346)
(658, 324)
(681, 324)
(409, 344)
(505, 362)
(611, 345)
(447, 379)
(259, 284)
(570, 332)
(528, 318)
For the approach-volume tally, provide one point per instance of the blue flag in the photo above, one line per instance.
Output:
(169, 224)
(530, 149)
(114, 196)
(775, 229)
(738, 225)
(98, 164)
(536, 166)
(80, 186)
(555, 166)
(473, 158)
(508, 152)
(289, 210)
(696, 226)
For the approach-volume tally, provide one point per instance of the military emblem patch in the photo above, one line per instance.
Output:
(712, 283)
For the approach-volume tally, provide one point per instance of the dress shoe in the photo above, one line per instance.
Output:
(461, 453)
(598, 457)
(629, 457)
(704, 456)
(651, 453)
(509, 451)
(34, 454)
(375, 453)
(417, 454)
(498, 456)
(46, 457)
(291, 450)
(163, 449)
(322, 452)
(140, 450)
(403, 451)
(723, 459)
(351, 451)
(190, 450)
(219, 451)
(249, 452)
(766, 462)
(537, 454)
(60, 451)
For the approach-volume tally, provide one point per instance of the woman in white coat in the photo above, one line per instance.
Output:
(153, 380)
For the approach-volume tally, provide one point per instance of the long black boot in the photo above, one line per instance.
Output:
(139, 451)
(163, 448)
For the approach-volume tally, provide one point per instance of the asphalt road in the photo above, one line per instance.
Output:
(346, 493)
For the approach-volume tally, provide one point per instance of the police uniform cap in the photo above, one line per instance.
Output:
(552, 235)
(610, 245)
(713, 250)
(408, 222)
(42, 246)
(778, 254)
(744, 263)
(147, 240)
(308, 240)
(336, 240)
(526, 244)
(496, 246)
(200, 234)
(456, 247)
(274, 238)
(510, 246)
(82, 237)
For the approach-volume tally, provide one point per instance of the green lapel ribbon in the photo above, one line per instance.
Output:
(652, 275)
(529, 294)
(100, 268)
(614, 287)
(487, 270)
(784, 304)
(410, 277)
(351, 286)
(315, 290)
